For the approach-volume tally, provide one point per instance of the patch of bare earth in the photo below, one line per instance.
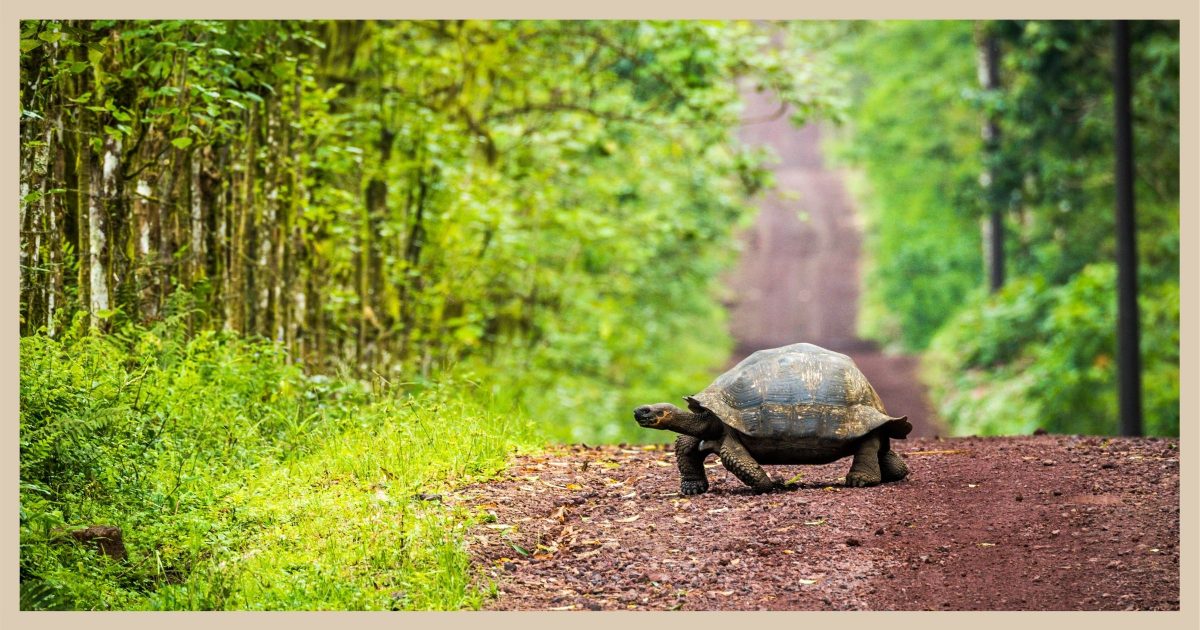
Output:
(1033, 523)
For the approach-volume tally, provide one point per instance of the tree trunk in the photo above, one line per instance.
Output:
(196, 197)
(988, 65)
(100, 185)
(147, 217)
(1129, 360)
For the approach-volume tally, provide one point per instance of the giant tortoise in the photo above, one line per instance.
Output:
(799, 404)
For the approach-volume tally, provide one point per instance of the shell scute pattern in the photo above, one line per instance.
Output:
(800, 391)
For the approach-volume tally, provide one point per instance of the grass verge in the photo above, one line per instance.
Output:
(241, 483)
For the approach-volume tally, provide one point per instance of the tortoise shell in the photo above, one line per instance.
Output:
(796, 394)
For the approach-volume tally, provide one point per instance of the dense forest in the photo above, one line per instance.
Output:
(392, 200)
(283, 283)
(1040, 351)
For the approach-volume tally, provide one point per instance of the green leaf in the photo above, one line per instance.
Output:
(29, 44)
(182, 142)
(50, 36)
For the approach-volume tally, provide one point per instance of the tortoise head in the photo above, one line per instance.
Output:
(656, 416)
(698, 422)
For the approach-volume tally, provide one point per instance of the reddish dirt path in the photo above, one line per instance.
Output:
(797, 278)
(1031, 523)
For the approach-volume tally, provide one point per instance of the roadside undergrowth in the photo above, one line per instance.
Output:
(241, 483)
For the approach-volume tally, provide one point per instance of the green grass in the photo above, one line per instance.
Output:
(241, 483)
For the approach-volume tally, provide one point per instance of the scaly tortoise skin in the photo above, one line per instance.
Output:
(799, 404)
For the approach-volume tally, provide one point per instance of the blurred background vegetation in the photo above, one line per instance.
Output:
(282, 283)
(1040, 352)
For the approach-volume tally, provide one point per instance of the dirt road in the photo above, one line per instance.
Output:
(798, 276)
(1031, 523)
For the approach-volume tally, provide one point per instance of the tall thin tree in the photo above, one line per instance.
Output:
(1129, 362)
(988, 64)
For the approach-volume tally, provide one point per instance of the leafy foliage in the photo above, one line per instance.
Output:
(239, 482)
(522, 199)
(1036, 355)
(1039, 353)
(917, 142)
(486, 221)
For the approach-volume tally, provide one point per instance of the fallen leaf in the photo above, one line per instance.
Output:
(571, 607)
(806, 581)
(682, 519)
(819, 521)
(659, 462)
(718, 510)
(587, 554)
(795, 479)
(987, 544)
(788, 551)
(628, 520)
(574, 486)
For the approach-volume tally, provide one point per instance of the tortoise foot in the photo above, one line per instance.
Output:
(855, 479)
(893, 467)
(693, 486)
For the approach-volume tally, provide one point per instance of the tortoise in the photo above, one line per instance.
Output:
(798, 404)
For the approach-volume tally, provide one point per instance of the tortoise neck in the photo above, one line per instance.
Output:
(703, 425)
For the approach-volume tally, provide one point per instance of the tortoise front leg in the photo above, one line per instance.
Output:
(690, 460)
(865, 469)
(738, 460)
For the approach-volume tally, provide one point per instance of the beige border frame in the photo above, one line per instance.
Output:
(1186, 11)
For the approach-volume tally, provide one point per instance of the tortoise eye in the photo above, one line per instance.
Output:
(661, 413)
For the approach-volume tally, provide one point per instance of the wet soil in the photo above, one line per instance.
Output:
(1027, 523)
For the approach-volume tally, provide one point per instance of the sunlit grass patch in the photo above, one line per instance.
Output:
(240, 483)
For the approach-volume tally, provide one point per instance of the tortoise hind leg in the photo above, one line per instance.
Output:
(690, 460)
(891, 465)
(865, 469)
(738, 461)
